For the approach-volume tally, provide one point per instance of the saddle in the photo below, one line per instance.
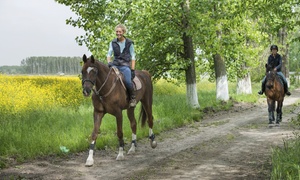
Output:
(135, 82)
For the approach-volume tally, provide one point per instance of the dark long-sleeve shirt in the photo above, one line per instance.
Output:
(275, 62)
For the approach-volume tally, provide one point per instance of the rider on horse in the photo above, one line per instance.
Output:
(124, 57)
(275, 61)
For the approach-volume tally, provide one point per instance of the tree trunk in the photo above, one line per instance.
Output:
(191, 85)
(285, 60)
(221, 78)
(190, 75)
(282, 37)
(244, 84)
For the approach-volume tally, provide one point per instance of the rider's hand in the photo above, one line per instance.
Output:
(110, 64)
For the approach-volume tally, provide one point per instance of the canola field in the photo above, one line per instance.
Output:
(41, 114)
(22, 94)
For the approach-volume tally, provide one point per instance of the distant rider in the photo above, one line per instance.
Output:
(275, 61)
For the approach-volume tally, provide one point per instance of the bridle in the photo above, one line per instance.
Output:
(271, 75)
(97, 92)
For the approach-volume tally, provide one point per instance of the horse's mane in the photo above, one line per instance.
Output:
(99, 64)
(268, 68)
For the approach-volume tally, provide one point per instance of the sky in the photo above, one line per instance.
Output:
(36, 28)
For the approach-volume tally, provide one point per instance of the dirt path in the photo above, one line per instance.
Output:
(235, 144)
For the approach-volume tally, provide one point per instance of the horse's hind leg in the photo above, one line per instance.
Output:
(147, 111)
(130, 114)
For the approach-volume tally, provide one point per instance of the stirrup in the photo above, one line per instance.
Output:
(260, 92)
(288, 93)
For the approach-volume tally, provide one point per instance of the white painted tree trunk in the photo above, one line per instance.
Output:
(222, 88)
(192, 96)
(244, 85)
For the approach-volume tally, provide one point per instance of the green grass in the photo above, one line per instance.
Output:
(35, 134)
(286, 159)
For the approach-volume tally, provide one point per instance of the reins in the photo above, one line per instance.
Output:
(274, 78)
(112, 87)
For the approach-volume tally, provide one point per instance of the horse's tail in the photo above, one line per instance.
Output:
(143, 113)
(143, 116)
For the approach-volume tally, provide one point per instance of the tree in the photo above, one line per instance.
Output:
(51, 65)
(161, 32)
(167, 34)
(278, 22)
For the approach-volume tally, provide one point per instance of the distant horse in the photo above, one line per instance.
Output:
(110, 96)
(274, 92)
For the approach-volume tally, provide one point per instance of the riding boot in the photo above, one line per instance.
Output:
(263, 88)
(132, 101)
(286, 89)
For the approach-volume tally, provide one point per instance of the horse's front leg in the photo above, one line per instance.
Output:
(130, 114)
(97, 122)
(279, 112)
(271, 107)
(119, 120)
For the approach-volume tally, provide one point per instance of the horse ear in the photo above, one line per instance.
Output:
(92, 59)
(84, 58)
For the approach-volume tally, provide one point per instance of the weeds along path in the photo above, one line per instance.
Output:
(235, 144)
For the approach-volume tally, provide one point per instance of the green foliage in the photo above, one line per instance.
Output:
(179, 39)
(158, 29)
(294, 53)
(163, 87)
(286, 160)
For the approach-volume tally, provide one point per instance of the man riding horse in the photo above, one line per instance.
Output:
(275, 61)
(124, 56)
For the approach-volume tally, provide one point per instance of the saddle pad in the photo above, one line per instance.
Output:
(137, 83)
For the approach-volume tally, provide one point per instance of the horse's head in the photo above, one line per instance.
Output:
(89, 74)
(270, 76)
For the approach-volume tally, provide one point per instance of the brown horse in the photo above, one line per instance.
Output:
(110, 96)
(275, 93)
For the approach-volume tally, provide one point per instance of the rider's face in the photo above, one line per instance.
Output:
(119, 33)
(274, 51)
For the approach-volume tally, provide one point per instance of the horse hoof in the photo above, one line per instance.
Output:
(131, 152)
(89, 162)
(153, 144)
(120, 158)
(271, 125)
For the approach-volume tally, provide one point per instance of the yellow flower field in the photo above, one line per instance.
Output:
(19, 94)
